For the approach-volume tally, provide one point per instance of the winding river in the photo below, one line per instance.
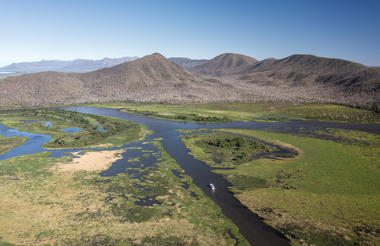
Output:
(250, 225)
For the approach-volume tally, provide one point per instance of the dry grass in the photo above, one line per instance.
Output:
(91, 161)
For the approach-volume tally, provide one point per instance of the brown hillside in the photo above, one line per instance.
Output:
(302, 78)
(309, 70)
(224, 64)
(41, 89)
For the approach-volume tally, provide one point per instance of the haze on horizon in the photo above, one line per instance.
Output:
(65, 30)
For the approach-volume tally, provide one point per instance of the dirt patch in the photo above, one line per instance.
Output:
(91, 161)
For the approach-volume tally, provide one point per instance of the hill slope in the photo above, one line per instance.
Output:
(309, 70)
(301, 77)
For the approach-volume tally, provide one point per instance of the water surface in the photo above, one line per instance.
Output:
(70, 130)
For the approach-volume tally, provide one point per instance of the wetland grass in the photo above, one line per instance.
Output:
(221, 112)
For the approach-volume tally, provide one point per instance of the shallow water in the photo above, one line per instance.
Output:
(70, 130)
(101, 129)
(47, 123)
(31, 146)
(250, 225)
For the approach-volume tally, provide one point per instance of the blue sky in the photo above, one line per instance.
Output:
(37, 29)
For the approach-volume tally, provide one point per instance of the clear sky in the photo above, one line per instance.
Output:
(52, 29)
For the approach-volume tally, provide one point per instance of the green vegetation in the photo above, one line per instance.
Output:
(43, 205)
(219, 112)
(192, 117)
(225, 150)
(9, 143)
(117, 132)
(327, 195)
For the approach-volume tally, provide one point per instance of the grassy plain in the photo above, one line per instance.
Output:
(327, 195)
(220, 112)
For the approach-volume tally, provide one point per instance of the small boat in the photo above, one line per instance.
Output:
(212, 186)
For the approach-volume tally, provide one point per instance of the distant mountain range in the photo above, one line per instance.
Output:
(225, 78)
(78, 65)
(84, 65)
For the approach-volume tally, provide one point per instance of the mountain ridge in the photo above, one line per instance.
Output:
(226, 78)
(77, 65)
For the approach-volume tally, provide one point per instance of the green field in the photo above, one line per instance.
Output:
(220, 112)
(327, 195)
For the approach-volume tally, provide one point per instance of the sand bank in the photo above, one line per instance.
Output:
(91, 161)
